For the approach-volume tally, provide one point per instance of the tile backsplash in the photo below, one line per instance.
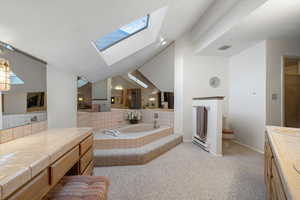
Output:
(15, 120)
(10, 134)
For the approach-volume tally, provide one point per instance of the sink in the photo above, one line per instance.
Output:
(297, 166)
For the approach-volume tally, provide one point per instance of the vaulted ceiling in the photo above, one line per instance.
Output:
(60, 31)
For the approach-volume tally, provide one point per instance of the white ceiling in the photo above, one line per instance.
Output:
(275, 19)
(60, 31)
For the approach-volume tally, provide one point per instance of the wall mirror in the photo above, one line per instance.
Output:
(26, 100)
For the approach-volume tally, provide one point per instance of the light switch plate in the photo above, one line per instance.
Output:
(274, 96)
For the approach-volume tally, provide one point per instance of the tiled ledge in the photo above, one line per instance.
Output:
(10, 134)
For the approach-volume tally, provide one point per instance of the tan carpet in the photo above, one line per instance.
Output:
(188, 173)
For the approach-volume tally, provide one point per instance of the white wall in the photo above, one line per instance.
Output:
(192, 74)
(247, 95)
(275, 50)
(160, 70)
(61, 98)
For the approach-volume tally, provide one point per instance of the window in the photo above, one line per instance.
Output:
(122, 33)
(15, 80)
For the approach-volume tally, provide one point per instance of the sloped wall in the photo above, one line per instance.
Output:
(160, 70)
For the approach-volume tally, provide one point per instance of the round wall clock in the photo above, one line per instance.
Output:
(214, 82)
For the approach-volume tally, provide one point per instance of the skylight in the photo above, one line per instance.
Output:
(139, 82)
(122, 33)
(15, 80)
(81, 82)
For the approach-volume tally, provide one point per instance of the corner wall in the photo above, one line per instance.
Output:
(61, 98)
(247, 96)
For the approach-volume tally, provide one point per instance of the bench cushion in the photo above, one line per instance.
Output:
(80, 188)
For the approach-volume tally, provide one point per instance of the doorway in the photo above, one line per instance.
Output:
(291, 75)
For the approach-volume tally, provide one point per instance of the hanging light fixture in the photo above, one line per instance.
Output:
(4, 75)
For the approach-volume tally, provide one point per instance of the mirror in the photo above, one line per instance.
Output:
(126, 91)
(26, 101)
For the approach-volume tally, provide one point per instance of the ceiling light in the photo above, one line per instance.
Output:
(162, 41)
(154, 92)
(119, 87)
(225, 47)
(152, 99)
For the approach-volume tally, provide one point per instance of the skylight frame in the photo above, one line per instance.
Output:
(128, 36)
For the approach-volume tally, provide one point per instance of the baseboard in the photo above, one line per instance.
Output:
(228, 136)
(248, 146)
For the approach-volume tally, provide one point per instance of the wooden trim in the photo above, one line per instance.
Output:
(209, 98)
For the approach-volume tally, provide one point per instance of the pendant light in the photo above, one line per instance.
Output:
(4, 75)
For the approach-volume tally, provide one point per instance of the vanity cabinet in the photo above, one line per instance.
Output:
(74, 156)
(275, 190)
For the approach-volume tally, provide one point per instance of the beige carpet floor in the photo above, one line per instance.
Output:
(188, 173)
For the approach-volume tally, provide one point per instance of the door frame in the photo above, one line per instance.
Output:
(283, 86)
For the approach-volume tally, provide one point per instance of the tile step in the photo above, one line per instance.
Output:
(140, 155)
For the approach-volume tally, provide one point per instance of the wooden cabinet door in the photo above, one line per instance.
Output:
(268, 166)
(277, 188)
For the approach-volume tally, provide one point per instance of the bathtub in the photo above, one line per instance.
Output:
(137, 128)
(131, 136)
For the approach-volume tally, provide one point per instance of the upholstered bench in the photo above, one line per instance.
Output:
(80, 188)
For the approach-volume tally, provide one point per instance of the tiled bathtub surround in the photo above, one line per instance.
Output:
(130, 140)
(10, 134)
(102, 120)
(117, 118)
(165, 117)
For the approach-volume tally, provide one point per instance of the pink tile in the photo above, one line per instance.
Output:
(18, 132)
(6, 135)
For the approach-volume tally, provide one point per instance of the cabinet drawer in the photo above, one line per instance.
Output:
(35, 189)
(86, 144)
(63, 165)
(89, 169)
(86, 159)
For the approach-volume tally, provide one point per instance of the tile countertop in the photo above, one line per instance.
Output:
(24, 158)
(285, 144)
